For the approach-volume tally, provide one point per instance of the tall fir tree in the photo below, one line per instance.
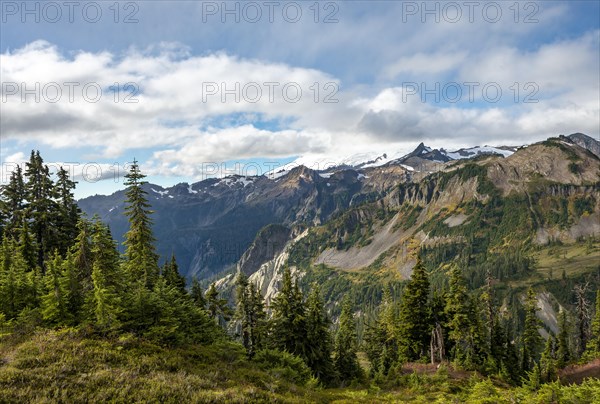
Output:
(170, 272)
(82, 255)
(345, 359)
(563, 352)
(318, 338)
(288, 325)
(67, 211)
(41, 207)
(381, 338)
(531, 338)
(583, 315)
(54, 301)
(140, 254)
(594, 345)
(415, 325)
(197, 294)
(462, 320)
(250, 314)
(217, 306)
(107, 280)
(12, 203)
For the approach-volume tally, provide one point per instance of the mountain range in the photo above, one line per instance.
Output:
(214, 225)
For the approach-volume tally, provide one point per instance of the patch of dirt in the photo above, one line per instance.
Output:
(577, 373)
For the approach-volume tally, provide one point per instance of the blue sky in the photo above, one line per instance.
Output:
(390, 69)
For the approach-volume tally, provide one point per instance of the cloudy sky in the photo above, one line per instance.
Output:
(195, 89)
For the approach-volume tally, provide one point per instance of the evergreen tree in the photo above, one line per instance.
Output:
(288, 325)
(142, 260)
(415, 326)
(170, 273)
(16, 288)
(197, 295)
(531, 337)
(54, 302)
(595, 340)
(462, 321)
(12, 203)
(563, 354)
(344, 352)
(72, 288)
(67, 211)
(106, 280)
(582, 311)
(250, 314)
(26, 247)
(41, 208)
(216, 306)
(381, 339)
(82, 257)
(548, 363)
(318, 338)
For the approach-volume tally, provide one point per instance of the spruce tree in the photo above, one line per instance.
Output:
(81, 254)
(67, 211)
(216, 306)
(250, 314)
(12, 203)
(462, 320)
(595, 339)
(414, 319)
(563, 354)
(288, 325)
(381, 338)
(54, 302)
(548, 363)
(318, 337)
(142, 260)
(170, 272)
(531, 338)
(107, 281)
(345, 347)
(196, 294)
(41, 208)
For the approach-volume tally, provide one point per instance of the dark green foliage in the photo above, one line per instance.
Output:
(344, 352)
(250, 313)
(288, 323)
(531, 339)
(415, 324)
(563, 352)
(142, 260)
(318, 338)
(217, 306)
(170, 272)
(12, 203)
(381, 337)
(595, 340)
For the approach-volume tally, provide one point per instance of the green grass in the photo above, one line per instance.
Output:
(67, 366)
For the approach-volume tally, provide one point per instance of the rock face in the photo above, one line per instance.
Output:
(245, 223)
(589, 143)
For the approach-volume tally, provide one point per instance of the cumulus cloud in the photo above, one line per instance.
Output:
(192, 109)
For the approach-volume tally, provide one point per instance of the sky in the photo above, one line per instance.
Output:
(197, 89)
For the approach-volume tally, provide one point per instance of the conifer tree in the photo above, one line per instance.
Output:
(196, 294)
(414, 319)
(82, 257)
(41, 208)
(531, 338)
(582, 311)
(142, 260)
(250, 314)
(170, 272)
(67, 211)
(12, 203)
(563, 354)
(318, 337)
(72, 288)
(16, 288)
(595, 339)
(216, 306)
(381, 339)
(26, 247)
(462, 321)
(345, 347)
(106, 279)
(54, 302)
(548, 363)
(288, 325)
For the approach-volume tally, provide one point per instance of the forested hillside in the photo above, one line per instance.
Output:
(80, 321)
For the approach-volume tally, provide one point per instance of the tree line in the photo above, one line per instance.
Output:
(58, 268)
